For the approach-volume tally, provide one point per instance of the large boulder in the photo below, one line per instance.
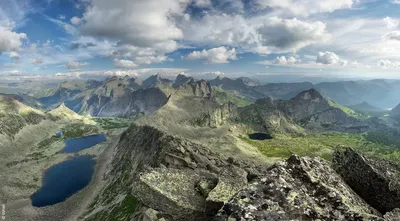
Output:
(171, 191)
(231, 180)
(375, 180)
(298, 189)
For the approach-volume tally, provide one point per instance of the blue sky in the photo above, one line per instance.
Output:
(343, 38)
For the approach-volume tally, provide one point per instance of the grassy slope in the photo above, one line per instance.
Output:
(321, 144)
(348, 111)
(223, 97)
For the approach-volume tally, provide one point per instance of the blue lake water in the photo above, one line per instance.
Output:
(78, 144)
(59, 134)
(63, 180)
(260, 136)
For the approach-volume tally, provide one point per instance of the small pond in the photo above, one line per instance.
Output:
(260, 136)
(63, 180)
(78, 144)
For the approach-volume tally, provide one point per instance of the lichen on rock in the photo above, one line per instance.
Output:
(298, 189)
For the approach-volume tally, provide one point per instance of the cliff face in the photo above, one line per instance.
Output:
(119, 102)
(201, 88)
(264, 114)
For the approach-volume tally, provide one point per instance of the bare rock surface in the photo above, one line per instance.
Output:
(298, 189)
(376, 180)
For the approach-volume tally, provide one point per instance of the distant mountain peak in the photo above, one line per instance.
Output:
(181, 80)
(63, 111)
(310, 94)
(396, 110)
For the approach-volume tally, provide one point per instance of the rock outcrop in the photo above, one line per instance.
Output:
(201, 88)
(375, 180)
(298, 189)
(171, 178)
(179, 179)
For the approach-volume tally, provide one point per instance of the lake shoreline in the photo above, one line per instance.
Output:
(68, 210)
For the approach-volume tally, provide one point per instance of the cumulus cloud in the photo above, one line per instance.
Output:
(393, 35)
(306, 7)
(142, 23)
(150, 59)
(283, 60)
(263, 36)
(391, 23)
(10, 40)
(387, 64)
(292, 34)
(74, 65)
(124, 63)
(75, 20)
(280, 60)
(330, 58)
(213, 56)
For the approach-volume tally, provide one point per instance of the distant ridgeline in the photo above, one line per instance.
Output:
(232, 149)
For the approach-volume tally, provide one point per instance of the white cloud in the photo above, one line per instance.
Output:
(150, 59)
(361, 40)
(75, 20)
(395, 1)
(37, 61)
(280, 60)
(391, 23)
(213, 56)
(306, 7)
(263, 35)
(62, 17)
(393, 35)
(14, 55)
(327, 58)
(141, 23)
(202, 3)
(124, 63)
(74, 65)
(12, 73)
(9, 40)
(131, 73)
(387, 64)
(290, 35)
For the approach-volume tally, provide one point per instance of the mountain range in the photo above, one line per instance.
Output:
(223, 149)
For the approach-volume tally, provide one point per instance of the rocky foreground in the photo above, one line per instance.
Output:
(171, 178)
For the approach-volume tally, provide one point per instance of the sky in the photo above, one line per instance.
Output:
(340, 38)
